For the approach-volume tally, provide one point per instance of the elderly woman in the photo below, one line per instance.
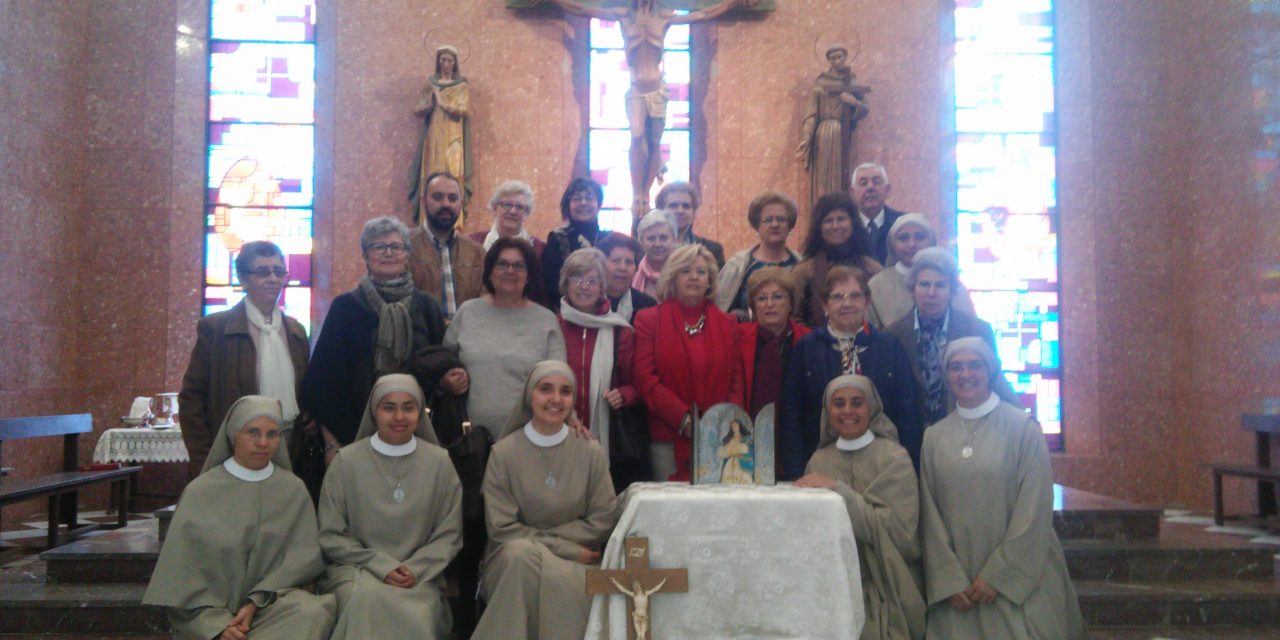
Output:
(766, 343)
(550, 507)
(390, 521)
(892, 298)
(860, 460)
(376, 329)
(845, 345)
(993, 564)
(657, 235)
(243, 549)
(933, 321)
(511, 205)
(251, 348)
(599, 346)
(580, 209)
(773, 215)
(621, 252)
(501, 335)
(686, 357)
(836, 238)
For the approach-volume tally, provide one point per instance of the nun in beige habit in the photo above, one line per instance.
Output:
(550, 505)
(390, 521)
(859, 458)
(994, 568)
(242, 546)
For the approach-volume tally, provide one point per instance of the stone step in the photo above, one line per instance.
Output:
(1082, 515)
(101, 609)
(1182, 552)
(1199, 603)
(1185, 633)
(120, 556)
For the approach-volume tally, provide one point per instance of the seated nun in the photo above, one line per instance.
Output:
(242, 547)
(860, 459)
(390, 521)
(993, 564)
(550, 506)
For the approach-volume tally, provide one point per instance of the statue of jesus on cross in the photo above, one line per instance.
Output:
(644, 27)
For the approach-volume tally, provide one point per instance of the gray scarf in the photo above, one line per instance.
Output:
(390, 301)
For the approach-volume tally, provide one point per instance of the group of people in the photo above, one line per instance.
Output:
(886, 386)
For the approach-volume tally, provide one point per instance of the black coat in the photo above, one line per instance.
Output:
(880, 239)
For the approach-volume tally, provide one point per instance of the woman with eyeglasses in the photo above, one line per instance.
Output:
(381, 327)
(511, 206)
(501, 335)
(773, 215)
(893, 298)
(993, 566)
(250, 349)
(599, 345)
(580, 208)
(846, 344)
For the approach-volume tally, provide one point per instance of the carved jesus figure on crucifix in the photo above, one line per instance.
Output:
(644, 28)
(640, 604)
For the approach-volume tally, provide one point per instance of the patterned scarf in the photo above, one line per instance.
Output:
(931, 337)
(390, 302)
(851, 346)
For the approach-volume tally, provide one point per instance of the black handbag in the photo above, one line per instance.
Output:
(468, 448)
(628, 439)
(306, 453)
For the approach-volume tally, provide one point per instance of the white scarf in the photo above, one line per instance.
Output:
(275, 367)
(601, 364)
(493, 236)
(625, 310)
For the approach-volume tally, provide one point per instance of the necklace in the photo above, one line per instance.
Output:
(696, 328)
(397, 493)
(550, 479)
(971, 426)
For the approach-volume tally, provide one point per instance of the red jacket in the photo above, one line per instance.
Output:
(747, 334)
(579, 345)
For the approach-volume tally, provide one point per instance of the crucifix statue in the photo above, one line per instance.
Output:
(644, 26)
(643, 581)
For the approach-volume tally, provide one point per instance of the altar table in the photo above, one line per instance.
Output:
(140, 445)
(764, 562)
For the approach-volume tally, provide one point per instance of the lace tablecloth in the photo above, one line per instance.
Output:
(764, 562)
(140, 445)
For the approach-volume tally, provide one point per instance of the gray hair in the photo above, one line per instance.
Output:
(869, 165)
(655, 218)
(509, 187)
(251, 251)
(580, 262)
(939, 260)
(378, 227)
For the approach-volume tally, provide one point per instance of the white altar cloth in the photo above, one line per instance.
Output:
(140, 445)
(764, 562)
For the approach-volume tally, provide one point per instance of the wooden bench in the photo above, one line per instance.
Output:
(62, 488)
(1263, 426)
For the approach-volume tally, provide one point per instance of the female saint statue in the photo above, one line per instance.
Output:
(446, 130)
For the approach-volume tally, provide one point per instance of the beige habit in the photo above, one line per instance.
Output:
(234, 540)
(532, 582)
(891, 300)
(366, 533)
(875, 477)
(991, 515)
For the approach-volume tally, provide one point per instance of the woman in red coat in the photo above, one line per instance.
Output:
(765, 343)
(686, 355)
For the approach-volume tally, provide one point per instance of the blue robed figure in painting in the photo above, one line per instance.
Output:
(738, 454)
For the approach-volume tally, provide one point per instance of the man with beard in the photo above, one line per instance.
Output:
(869, 187)
(445, 264)
(835, 107)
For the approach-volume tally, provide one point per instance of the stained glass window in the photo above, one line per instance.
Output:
(261, 153)
(609, 136)
(1265, 79)
(1006, 190)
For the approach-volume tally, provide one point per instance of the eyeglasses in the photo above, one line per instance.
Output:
(774, 220)
(258, 434)
(840, 298)
(388, 248)
(267, 272)
(956, 366)
(580, 281)
(511, 206)
(503, 265)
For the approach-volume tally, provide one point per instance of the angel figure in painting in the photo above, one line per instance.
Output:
(445, 144)
(836, 104)
(644, 26)
(735, 450)
(639, 605)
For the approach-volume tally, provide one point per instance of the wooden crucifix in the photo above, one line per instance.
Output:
(638, 582)
(644, 25)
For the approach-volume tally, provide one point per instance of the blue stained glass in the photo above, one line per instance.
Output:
(261, 164)
(260, 82)
(271, 20)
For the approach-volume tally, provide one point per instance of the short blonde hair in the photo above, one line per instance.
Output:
(773, 275)
(680, 259)
(580, 262)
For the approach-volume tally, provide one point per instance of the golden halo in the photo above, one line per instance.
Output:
(464, 51)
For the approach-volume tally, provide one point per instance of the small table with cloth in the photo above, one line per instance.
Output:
(763, 562)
